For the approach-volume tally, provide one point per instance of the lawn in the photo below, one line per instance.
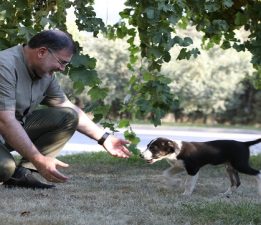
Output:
(104, 190)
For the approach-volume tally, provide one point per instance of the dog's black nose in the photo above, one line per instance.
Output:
(141, 156)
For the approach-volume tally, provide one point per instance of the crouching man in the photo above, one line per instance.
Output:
(26, 80)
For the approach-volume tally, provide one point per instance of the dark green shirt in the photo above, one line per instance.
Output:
(19, 90)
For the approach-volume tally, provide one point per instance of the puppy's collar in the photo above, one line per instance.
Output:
(151, 143)
(179, 146)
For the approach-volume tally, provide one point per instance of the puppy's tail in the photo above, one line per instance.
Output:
(249, 143)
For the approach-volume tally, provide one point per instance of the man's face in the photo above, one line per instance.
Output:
(51, 61)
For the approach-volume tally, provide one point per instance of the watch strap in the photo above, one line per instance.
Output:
(103, 138)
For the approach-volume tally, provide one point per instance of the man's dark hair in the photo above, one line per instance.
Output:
(53, 39)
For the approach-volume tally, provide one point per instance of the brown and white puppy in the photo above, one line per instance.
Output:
(191, 156)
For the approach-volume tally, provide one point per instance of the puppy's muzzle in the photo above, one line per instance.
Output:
(147, 160)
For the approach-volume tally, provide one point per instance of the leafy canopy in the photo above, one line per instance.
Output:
(150, 29)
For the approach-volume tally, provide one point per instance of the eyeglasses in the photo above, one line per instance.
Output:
(61, 62)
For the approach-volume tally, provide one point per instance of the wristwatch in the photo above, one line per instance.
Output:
(103, 138)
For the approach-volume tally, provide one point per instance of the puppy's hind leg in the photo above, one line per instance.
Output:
(234, 180)
(244, 167)
(190, 184)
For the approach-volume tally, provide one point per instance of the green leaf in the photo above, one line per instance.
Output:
(239, 47)
(212, 6)
(184, 54)
(228, 3)
(45, 21)
(125, 13)
(78, 86)
(124, 123)
(100, 111)
(166, 57)
(226, 45)
(98, 93)
(22, 4)
(88, 77)
(83, 60)
(174, 19)
(7, 8)
(241, 19)
(220, 25)
(122, 31)
(177, 40)
(155, 52)
(133, 148)
(27, 33)
(131, 136)
(187, 41)
(195, 52)
(147, 76)
(150, 13)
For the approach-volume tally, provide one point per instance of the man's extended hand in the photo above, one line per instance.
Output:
(46, 166)
(116, 147)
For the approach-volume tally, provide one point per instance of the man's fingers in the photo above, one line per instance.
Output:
(61, 164)
(57, 177)
(125, 142)
(60, 176)
(121, 153)
(126, 151)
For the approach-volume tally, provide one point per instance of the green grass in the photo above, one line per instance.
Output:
(106, 190)
(102, 158)
(201, 125)
(197, 211)
(219, 212)
(255, 161)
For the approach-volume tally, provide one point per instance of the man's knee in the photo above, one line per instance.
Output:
(7, 168)
(71, 118)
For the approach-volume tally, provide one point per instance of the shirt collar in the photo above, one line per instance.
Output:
(30, 72)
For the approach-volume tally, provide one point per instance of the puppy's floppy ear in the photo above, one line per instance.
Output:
(171, 144)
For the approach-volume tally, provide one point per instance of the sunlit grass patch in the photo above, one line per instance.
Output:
(220, 212)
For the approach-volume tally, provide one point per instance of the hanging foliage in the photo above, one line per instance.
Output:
(150, 29)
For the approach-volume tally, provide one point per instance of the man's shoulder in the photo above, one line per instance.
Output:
(11, 51)
(8, 57)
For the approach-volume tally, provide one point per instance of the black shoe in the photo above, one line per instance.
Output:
(23, 177)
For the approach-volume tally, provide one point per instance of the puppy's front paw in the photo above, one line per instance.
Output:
(187, 193)
(229, 192)
(170, 181)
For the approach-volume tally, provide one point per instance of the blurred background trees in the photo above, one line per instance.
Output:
(217, 87)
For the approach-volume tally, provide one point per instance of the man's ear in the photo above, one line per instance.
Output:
(42, 52)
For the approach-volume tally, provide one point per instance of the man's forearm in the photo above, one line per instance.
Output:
(15, 135)
(89, 128)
